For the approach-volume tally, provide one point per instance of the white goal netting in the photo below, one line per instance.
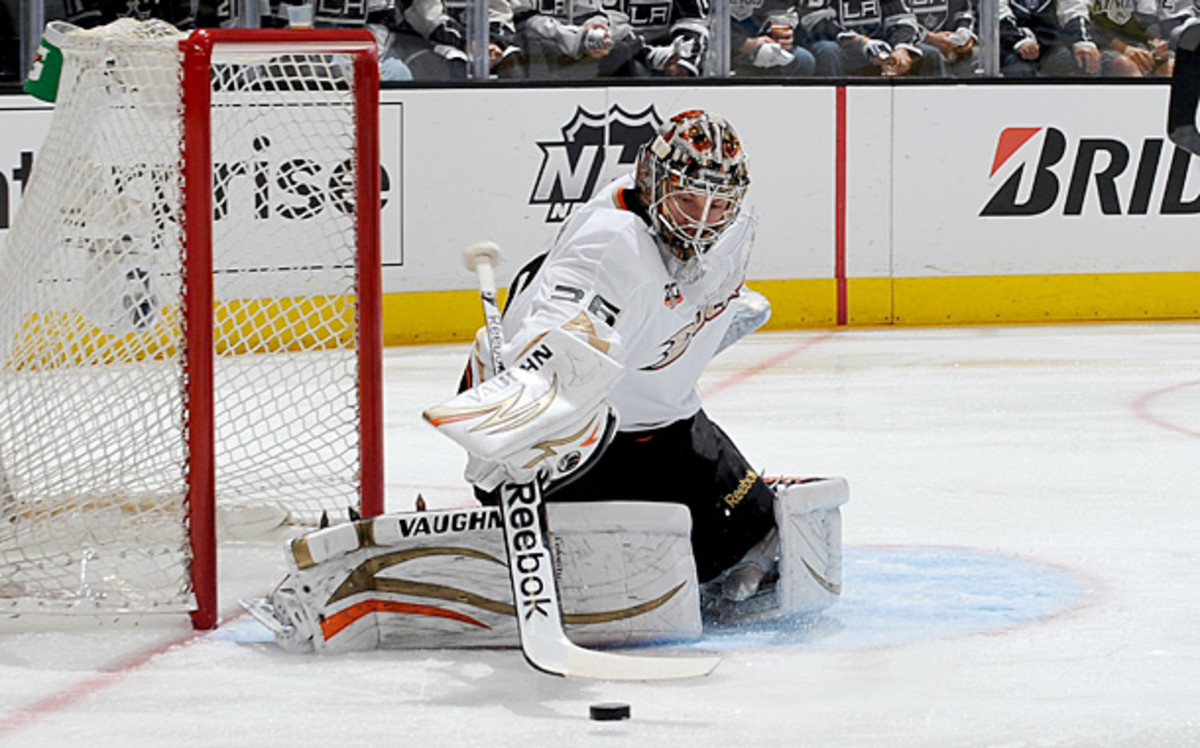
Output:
(96, 461)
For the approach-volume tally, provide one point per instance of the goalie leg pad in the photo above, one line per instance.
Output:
(810, 543)
(627, 574)
(440, 579)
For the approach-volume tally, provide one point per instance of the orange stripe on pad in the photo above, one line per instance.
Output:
(336, 623)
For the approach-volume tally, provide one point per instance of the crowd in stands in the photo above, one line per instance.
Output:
(583, 39)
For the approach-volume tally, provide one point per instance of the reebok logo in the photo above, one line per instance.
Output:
(1063, 174)
(533, 574)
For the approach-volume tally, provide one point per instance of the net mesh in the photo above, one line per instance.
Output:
(93, 424)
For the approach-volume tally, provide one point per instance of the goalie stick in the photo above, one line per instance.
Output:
(530, 565)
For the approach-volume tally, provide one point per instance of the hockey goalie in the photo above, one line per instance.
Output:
(586, 388)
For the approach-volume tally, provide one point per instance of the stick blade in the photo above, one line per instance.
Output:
(558, 655)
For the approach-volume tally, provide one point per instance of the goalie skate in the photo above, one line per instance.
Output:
(796, 570)
(263, 610)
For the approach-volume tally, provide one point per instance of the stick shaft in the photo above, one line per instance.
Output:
(491, 312)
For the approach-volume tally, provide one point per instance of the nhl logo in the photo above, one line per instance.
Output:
(593, 150)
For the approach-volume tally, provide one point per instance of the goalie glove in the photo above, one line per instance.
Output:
(545, 417)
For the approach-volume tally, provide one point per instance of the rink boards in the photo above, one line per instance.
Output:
(878, 204)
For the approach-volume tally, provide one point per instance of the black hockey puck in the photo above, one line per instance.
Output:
(609, 712)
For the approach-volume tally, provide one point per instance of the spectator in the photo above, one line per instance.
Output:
(1135, 41)
(1047, 38)
(671, 37)
(950, 26)
(763, 41)
(573, 40)
(432, 43)
(880, 39)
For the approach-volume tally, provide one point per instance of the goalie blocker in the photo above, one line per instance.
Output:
(439, 579)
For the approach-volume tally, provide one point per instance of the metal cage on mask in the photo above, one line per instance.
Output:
(699, 154)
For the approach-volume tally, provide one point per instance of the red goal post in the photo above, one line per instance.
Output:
(199, 49)
(189, 312)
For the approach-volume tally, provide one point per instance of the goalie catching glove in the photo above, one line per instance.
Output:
(545, 416)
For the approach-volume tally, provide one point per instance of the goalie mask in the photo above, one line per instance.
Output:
(692, 176)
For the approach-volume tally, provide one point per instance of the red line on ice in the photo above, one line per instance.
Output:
(764, 365)
(1141, 406)
(108, 675)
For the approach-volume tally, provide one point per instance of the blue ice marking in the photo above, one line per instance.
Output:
(908, 594)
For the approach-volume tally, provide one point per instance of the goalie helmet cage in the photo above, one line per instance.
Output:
(189, 311)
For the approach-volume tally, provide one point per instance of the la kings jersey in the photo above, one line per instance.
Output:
(944, 15)
(890, 20)
(89, 13)
(1137, 21)
(1048, 20)
(658, 20)
(606, 262)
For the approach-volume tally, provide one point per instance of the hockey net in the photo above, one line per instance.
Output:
(188, 311)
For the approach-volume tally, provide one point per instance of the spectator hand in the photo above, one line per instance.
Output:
(595, 39)
(771, 54)
(1140, 56)
(669, 58)
(898, 63)
(783, 34)
(1087, 56)
(941, 40)
(876, 50)
(961, 41)
(1160, 50)
(1027, 48)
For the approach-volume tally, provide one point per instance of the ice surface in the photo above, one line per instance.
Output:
(1021, 570)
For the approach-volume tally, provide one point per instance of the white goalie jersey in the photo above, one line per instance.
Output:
(661, 320)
